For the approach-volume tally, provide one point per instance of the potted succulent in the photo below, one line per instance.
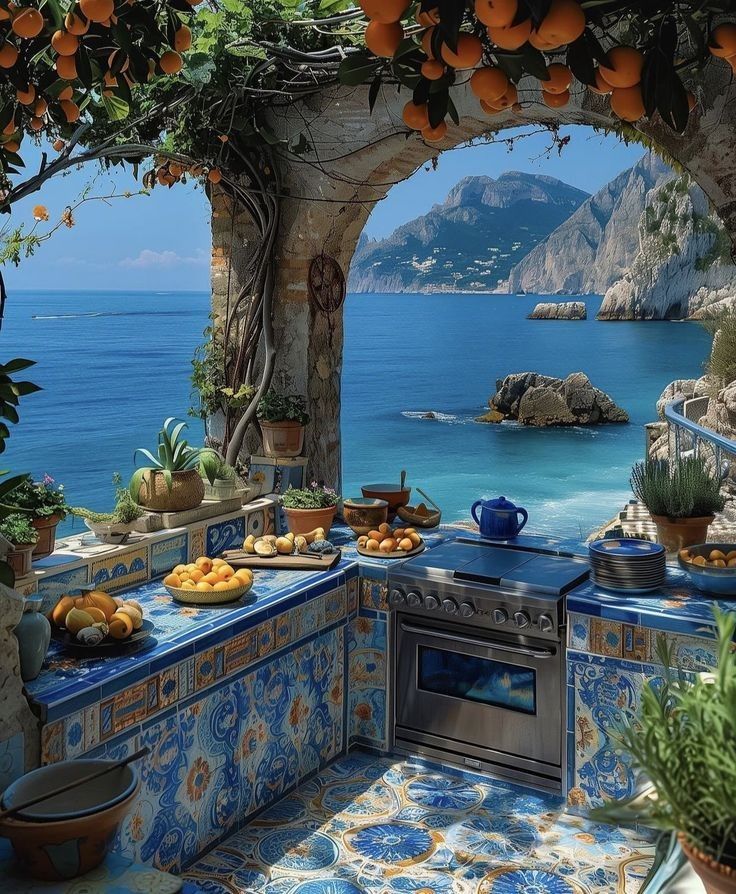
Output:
(684, 742)
(282, 418)
(45, 504)
(226, 479)
(681, 497)
(170, 481)
(18, 530)
(115, 526)
(309, 508)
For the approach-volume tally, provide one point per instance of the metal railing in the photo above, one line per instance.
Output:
(689, 436)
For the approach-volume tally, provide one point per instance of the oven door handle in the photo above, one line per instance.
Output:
(530, 651)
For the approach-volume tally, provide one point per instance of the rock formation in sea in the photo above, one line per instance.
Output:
(538, 400)
(683, 267)
(597, 244)
(564, 310)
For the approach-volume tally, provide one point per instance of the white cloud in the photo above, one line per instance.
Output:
(148, 259)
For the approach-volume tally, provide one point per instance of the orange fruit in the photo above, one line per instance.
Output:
(64, 43)
(512, 38)
(172, 580)
(435, 134)
(36, 123)
(59, 145)
(10, 128)
(384, 11)
(469, 52)
(427, 42)
(121, 625)
(556, 100)
(560, 78)
(170, 62)
(432, 69)
(203, 562)
(722, 41)
(75, 24)
(496, 13)
(66, 68)
(215, 175)
(383, 40)
(426, 19)
(27, 22)
(489, 83)
(182, 39)
(602, 87)
(564, 23)
(8, 55)
(415, 116)
(97, 10)
(540, 43)
(507, 100)
(11, 146)
(626, 64)
(66, 603)
(40, 107)
(26, 97)
(627, 103)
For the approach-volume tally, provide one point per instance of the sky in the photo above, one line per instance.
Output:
(162, 241)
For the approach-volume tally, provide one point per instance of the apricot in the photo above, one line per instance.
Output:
(406, 544)
(204, 586)
(372, 545)
(132, 612)
(203, 562)
(212, 578)
(196, 575)
(173, 580)
(188, 585)
(61, 610)
(226, 570)
(121, 625)
(388, 545)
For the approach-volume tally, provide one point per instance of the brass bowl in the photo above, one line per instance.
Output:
(364, 515)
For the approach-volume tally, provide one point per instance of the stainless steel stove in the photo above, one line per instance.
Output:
(478, 657)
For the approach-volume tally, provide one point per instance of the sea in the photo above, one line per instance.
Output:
(114, 365)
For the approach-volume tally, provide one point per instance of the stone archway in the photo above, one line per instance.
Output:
(328, 194)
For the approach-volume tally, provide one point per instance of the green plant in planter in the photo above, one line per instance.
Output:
(41, 499)
(209, 378)
(173, 454)
(126, 509)
(685, 489)
(314, 497)
(219, 469)
(275, 406)
(684, 742)
(18, 530)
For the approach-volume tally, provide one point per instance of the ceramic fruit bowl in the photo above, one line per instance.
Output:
(70, 834)
(364, 515)
(708, 567)
(212, 596)
(394, 494)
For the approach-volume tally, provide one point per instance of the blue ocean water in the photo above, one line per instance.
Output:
(407, 354)
(113, 365)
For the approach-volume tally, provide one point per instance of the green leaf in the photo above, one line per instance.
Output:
(373, 92)
(16, 365)
(117, 109)
(534, 62)
(357, 69)
(437, 106)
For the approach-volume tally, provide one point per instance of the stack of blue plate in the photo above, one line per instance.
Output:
(628, 565)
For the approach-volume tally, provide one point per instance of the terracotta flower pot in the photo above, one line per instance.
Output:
(717, 878)
(284, 438)
(187, 491)
(20, 558)
(676, 533)
(46, 542)
(302, 521)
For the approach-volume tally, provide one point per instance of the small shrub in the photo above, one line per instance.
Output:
(721, 364)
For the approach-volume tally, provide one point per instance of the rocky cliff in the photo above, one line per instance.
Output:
(596, 246)
(470, 241)
(564, 310)
(534, 399)
(682, 269)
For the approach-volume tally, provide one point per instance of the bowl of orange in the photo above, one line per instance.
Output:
(208, 582)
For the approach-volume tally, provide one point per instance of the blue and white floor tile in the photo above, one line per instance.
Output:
(383, 826)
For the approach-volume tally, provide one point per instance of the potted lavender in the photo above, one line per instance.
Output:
(309, 508)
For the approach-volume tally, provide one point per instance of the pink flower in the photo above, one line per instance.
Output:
(47, 479)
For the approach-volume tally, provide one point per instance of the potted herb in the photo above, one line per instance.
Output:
(115, 526)
(309, 508)
(18, 530)
(225, 478)
(45, 504)
(170, 481)
(681, 497)
(684, 742)
(282, 418)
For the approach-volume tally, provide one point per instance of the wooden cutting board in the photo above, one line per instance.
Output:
(238, 558)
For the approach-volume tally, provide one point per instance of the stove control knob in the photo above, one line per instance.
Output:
(467, 610)
(500, 616)
(546, 624)
(450, 606)
(522, 619)
(431, 602)
(414, 599)
(397, 597)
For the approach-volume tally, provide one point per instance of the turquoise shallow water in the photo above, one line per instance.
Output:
(114, 365)
(406, 354)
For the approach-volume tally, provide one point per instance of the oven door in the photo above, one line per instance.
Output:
(497, 698)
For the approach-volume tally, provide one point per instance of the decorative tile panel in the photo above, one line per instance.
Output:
(120, 570)
(53, 586)
(228, 534)
(52, 742)
(352, 586)
(373, 594)
(165, 554)
(196, 543)
(605, 638)
(367, 676)
(255, 523)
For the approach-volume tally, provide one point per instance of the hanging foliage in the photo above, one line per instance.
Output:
(638, 54)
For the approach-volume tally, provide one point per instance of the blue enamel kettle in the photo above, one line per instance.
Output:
(499, 518)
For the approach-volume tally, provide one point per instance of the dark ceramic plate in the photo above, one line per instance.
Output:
(107, 647)
(626, 546)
